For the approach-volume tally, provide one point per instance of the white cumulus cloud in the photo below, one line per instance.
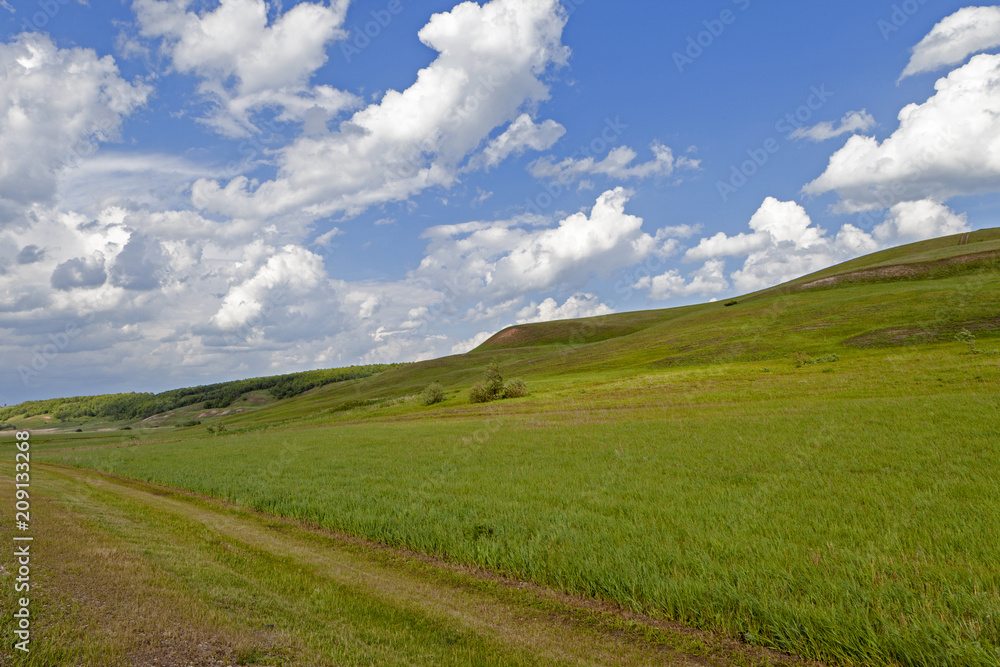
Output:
(783, 244)
(285, 274)
(944, 147)
(490, 62)
(503, 260)
(722, 245)
(709, 279)
(472, 343)
(577, 306)
(519, 136)
(57, 106)
(918, 220)
(619, 164)
(852, 122)
(247, 63)
(967, 31)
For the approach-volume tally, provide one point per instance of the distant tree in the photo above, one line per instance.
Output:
(131, 407)
(493, 381)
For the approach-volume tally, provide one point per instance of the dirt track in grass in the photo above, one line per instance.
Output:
(141, 569)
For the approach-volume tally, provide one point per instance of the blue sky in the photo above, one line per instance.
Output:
(194, 191)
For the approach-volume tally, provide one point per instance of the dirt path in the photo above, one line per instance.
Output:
(518, 618)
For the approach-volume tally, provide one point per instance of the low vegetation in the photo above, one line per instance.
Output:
(494, 388)
(969, 339)
(825, 514)
(432, 394)
(806, 360)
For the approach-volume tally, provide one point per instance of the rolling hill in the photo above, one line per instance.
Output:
(922, 292)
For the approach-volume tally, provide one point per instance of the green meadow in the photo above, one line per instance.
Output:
(811, 469)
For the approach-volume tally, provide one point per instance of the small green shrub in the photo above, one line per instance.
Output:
(478, 394)
(968, 338)
(433, 393)
(804, 360)
(516, 388)
(492, 387)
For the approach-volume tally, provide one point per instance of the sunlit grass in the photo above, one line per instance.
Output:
(844, 511)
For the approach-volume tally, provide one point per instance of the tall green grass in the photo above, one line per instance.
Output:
(843, 511)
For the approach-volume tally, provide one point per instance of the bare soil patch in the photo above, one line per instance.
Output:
(900, 271)
(916, 335)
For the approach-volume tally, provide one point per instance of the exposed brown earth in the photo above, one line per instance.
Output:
(901, 270)
(919, 335)
(154, 418)
(512, 335)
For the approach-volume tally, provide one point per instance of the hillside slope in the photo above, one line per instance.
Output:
(948, 284)
(919, 293)
(935, 258)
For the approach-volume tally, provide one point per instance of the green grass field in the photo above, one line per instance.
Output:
(811, 469)
(141, 575)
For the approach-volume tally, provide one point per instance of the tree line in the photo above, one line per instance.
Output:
(133, 406)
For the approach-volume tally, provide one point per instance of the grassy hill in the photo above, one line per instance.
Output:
(952, 287)
(810, 469)
(918, 293)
